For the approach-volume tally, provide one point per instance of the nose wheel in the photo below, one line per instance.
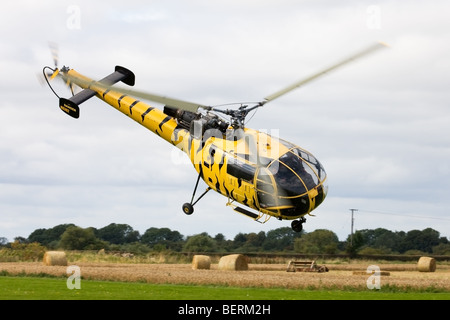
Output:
(297, 225)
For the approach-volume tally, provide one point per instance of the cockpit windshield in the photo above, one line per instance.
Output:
(294, 183)
(286, 178)
(296, 172)
(313, 162)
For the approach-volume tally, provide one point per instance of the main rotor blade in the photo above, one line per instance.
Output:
(180, 104)
(171, 102)
(302, 82)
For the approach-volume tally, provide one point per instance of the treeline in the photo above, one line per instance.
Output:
(122, 237)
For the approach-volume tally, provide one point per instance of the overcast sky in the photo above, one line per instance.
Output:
(380, 126)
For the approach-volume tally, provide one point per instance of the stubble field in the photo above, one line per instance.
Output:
(350, 276)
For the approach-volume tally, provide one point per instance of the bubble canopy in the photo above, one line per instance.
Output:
(293, 185)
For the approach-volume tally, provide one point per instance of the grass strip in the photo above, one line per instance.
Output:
(43, 288)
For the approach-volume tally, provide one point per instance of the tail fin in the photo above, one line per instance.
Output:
(71, 105)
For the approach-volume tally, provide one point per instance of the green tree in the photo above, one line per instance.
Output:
(239, 240)
(382, 240)
(49, 237)
(200, 243)
(118, 234)
(76, 238)
(162, 238)
(255, 240)
(222, 243)
(281, 239)
(28, 251)
(423, 240)
(219, 237)
(250, 242)
(3, 241)
(442, 249)
(318, 241)
(354, 243)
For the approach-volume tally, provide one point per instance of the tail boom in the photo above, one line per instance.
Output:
(152, 118)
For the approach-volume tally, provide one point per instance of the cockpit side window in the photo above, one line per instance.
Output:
(287, 179)
(240, 169)
(301, 168)
(313, 162)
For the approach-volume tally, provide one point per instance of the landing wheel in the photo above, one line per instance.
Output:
(188, 208)
(297, 225)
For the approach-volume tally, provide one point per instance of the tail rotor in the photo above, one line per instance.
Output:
(51, 73)
(55, 53)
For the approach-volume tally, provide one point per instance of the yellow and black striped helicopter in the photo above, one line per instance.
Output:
(266, 174)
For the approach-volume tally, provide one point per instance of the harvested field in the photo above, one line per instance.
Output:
(258, 275)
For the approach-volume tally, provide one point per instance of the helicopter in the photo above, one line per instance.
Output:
(261, 176)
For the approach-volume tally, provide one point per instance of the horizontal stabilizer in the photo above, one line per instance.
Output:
(119, 74)
(71, 105)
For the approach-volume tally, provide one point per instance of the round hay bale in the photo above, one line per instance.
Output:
(234, 262)
(426, 264)
(201, 262)
(55, 258)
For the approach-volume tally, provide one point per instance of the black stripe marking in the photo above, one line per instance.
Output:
(201, 171)
(132, 105)
(120, 99)
(222, 161)
(104, 93)
(212, 152)
(146, 112)
(200, 146)
(245, 200)
(164, 121)
(218, 185)
(226, 190)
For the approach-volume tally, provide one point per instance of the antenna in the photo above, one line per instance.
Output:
(351, 234)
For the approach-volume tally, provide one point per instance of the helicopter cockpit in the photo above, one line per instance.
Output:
(293, 184)
(289, 186)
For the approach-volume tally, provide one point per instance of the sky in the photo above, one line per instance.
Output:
(379, 126)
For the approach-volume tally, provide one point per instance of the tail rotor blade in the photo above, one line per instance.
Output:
(53, 76)
(55, 52)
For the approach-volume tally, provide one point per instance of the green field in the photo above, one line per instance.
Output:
(43, 288)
